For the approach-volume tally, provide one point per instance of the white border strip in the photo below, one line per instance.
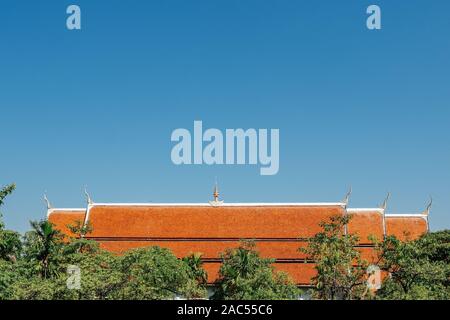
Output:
(365, 210)
(405, 215)
(312, 204)
(67, 210)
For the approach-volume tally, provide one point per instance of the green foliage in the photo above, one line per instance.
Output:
(155, 273)
(340, 269)
(42, 248)
(418, 269)
(10, 248)
(10, 243)
(150, 273)
(101, 276)
(9, 274)
(6, 191)
(37, 288)
(79, 243)
(198, 278)
(80, 229)
(244, 275)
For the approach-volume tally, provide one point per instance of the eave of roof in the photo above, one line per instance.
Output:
(64, 210)
(406, 215)
(363, 210)
(67, 209)
(256, 204)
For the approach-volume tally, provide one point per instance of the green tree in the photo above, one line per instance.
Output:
(42, 248)
(418, 269)
(100, 279)
(6, 191)
(10, 273)
(155, 273)
(10, 243)
(100, 275)
(34, 288)
(198, 277)
(78, 243)
(244, 275)
(341, 273)
(10, 249)
(195, 264)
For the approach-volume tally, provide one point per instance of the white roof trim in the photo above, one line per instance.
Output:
(51, 210)
(365, 210)
(66, 209)
(403, 215)
(256, 204)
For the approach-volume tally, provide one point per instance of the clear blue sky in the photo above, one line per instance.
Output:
(96, 107)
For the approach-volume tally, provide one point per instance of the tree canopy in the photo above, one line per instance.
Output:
(415, 269)
(340, 269)
(418, 269)
(10, 242)
(245, 275)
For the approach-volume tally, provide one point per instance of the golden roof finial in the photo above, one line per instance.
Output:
(216, 191)
(216, 201)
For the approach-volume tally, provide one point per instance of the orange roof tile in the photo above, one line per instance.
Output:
(365, 223)
(406, 227)
(209, 222)
(61, 218)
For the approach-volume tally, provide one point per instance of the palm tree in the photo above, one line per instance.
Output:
(195, 264)
(42, 246)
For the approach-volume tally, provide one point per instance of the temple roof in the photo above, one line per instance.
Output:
(366, 222)
(61, 218)
(406, 226)
(278, 229)
(235, 221)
